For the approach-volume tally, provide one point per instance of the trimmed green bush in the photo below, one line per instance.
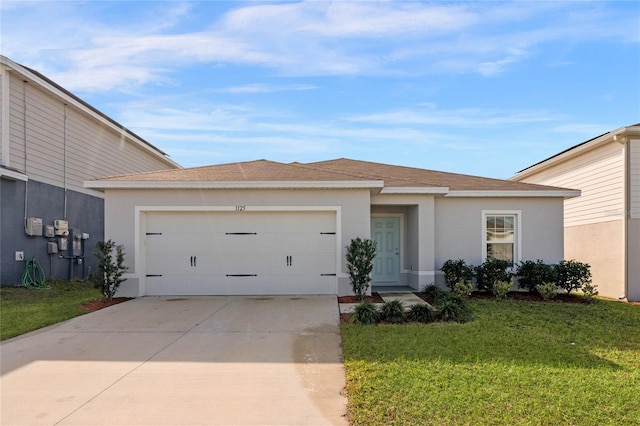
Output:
(455, 309)
(490, 272)
(437, 295)
(547, 290)
(421, 312)
(392, 311)
(456, 271)
(463, 289)
(572, 275)
(531, 273)
(501, 289)
(589, 292)
(365, 313)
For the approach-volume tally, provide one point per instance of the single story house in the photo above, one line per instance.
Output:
(51, 141)
(266, 228)
(602, 226)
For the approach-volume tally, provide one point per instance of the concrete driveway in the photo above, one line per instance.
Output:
(178, 361)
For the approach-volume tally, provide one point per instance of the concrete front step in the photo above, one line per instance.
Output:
(406, 298)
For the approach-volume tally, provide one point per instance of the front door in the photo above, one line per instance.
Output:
(385, 231)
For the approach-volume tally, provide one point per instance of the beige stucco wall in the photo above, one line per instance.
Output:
(633, 260)
(458, 228)
(123, 226)
(601, 245)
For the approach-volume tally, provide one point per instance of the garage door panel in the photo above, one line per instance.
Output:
(240, 253)
(207, 284)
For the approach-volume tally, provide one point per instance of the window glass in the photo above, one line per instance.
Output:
(500, 237)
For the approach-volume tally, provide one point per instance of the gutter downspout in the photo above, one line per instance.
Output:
(626, 148)
(627, 212)
(24, 136)
(64, 167)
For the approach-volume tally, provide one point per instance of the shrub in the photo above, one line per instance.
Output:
(490, 272)
(365, 313)
(547, 290)
(531, 273)
(108, 274)
(421, 312)
(572, 275)
(392, 311)
(463, 289)
(455, 308)
(589, 292)
(501, 289)
(360, 254)
(456, 271)
(436, 294)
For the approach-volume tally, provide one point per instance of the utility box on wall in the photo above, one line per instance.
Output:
(61, 227)
(33, 227)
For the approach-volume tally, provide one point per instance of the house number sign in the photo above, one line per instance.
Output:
(241, 208)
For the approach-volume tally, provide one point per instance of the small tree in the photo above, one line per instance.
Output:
(360, 254)
(456, 271)
(108, 275)
(572, 275)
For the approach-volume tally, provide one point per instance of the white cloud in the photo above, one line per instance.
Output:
(266, 88)
(83, 50)
(463, 117)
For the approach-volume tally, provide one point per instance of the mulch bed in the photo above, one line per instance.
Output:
(374, 298)
(98, 304)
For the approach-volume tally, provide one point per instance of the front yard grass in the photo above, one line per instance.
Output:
(23, 310)
(516, 363)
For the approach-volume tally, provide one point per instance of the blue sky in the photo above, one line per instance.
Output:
(484, 88)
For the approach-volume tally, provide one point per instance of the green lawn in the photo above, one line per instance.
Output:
(23, 310)
(526, 363)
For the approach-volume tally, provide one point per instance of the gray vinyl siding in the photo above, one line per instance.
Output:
(93, 149)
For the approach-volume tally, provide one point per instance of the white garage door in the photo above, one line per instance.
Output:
(240, 253)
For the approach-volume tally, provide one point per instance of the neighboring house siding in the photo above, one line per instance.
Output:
(634, 172)
(16, 123)
(92, 148)
(599, 174)
(56, 156)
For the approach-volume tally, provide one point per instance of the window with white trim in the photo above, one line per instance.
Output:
(501, 236)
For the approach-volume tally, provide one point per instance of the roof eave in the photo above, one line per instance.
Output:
(568, 193)
(110, 184)
(433, 190)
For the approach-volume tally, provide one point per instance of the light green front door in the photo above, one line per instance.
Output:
(385, 231)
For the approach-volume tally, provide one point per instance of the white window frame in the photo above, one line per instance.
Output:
(517, 227)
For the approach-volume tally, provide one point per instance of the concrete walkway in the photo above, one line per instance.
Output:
(407, 298)
(181, 361)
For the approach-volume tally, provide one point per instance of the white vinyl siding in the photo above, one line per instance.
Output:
(599, 174)
(634, 173)
(93, 149)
